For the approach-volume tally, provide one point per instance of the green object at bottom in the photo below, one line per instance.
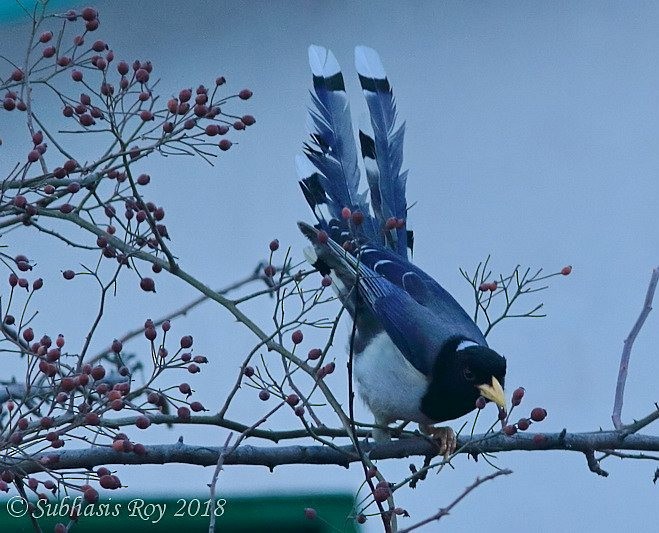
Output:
(282, 514)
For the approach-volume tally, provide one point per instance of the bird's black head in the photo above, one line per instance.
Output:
(460, 376)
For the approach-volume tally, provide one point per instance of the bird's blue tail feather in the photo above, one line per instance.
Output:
(333, 182)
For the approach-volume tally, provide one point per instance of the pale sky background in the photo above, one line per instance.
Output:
(532, 135)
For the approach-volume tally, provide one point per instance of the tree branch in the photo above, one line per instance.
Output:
(272, 456)
(627, 350)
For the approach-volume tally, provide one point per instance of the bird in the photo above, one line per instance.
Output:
(417, 355)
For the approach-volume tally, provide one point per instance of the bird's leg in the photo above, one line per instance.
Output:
(443, 436)
(381, 434)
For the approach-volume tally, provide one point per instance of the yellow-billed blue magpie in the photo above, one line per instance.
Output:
(418, 356)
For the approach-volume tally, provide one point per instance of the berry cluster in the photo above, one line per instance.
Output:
(118, 102)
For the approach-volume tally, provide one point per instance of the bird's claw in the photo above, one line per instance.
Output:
(445, 439)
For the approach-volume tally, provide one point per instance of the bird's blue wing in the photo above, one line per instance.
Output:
(415, 330)
(423, 289)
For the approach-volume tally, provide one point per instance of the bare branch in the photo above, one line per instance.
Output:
(627, 349)
(446, 510)
(272, 456)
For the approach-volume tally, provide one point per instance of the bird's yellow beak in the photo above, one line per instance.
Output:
(494, 392)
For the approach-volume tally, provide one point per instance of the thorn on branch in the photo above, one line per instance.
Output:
(594, 465)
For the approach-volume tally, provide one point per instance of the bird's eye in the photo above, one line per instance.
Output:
(468, 374)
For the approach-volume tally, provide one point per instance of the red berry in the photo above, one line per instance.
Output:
(142, 422)
(49, 51)
(148, 285)
(212, 130)
(186, 342)
(523, 424)
(220, 81)
(270, 271)
(37, 137)
(139, 449)
(238, 125)
(99, 46)
(68, 274)
(142, 76)
(538, 414)
(185, 389)
(183, 413)
(248, 120)
(245, 94)
(109, 482)
(539, 439)
(224, 144)
(45, 36)
(117, 346)
(98, 372)
(87, 120)
(90, 495)
(509, 430)
(292, 400)
(480, 403)
(326, 281)
(76, 75)
(346, 213)
(518, 394)
(297, 336)
(193, 369)
(78, 40)
(17, 75)
(89, 13)
(566, 270)
(197, 407)
(314, 354)
(274, 245)
(382, 492)
(28, 335)
(249, 371)
(33, 156)
(92, 25)
(264, 395)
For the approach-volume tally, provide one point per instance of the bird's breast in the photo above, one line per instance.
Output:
(388, 383)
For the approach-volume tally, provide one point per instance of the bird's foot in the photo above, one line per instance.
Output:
(444, 437)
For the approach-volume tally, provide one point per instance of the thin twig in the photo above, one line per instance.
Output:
(446, 510)
(627, 350)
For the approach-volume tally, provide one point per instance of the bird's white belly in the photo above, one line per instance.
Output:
(389, 385)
